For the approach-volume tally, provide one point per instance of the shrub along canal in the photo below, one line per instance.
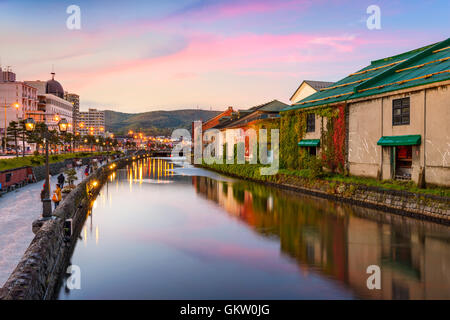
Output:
(162, 231)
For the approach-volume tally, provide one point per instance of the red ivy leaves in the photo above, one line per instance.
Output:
(334, 154)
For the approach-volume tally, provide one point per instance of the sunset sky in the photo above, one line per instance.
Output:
(135, 56)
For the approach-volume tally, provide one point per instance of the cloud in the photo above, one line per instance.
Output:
(215, 10)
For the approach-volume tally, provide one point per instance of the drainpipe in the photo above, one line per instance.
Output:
(423, 182)
(382, 149)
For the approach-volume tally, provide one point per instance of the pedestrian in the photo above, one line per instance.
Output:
(43, 193)
(61, 180)
(86, 171)
(57, 196)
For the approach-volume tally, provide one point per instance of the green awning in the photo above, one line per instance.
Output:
(409, 140)
(309, 143)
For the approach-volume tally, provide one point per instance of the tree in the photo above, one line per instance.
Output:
(71, 176)
(13, 133)
(37, 135)
(68, 138)
(91, 141)
(53, 139)
(77, 140)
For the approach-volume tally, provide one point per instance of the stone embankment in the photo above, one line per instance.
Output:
(55, 168)
(37, 275)
(421, 206)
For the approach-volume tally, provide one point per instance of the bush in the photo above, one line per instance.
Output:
(35, 161)
(315, 166)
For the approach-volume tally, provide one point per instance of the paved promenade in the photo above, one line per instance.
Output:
(18, 209)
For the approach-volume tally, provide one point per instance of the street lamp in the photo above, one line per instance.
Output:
(63, 124)
(46, 202)
(30, 124)
(17, 106)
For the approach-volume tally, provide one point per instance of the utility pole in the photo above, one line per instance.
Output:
(6, 128)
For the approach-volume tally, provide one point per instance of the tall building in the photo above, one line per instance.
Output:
(18, 100)
(7, 75)
(74, 99)
(91, 122)
(52, 103)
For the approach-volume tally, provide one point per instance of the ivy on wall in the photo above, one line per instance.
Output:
(293, 129)
(333, 141)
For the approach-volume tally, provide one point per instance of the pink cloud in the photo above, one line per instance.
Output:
(208, 53)
(233, 8)
(267, 259)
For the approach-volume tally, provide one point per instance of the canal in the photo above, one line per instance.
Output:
(159, 230)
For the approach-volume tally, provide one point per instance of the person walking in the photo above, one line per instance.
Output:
(86, 171)
(57, 196)
(61, 180)
(43, 193)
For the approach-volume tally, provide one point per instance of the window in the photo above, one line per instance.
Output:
(400, 112)
(312, 151)
(310, 122)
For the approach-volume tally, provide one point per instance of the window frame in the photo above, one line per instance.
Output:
(310, 125)
(401, 104)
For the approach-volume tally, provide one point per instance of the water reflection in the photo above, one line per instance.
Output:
(341, 241)
(159, 232)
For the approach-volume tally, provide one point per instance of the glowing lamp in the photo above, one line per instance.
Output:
(30, 124)
(63, 125)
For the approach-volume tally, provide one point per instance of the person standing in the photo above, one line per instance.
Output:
(61, 180)
(43, 193)
(57, 196)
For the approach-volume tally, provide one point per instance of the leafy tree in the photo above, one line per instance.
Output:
(13, 134)
(71, 176)
(37, 135)
(68, 139)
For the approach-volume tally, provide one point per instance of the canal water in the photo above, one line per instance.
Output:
(162, 231)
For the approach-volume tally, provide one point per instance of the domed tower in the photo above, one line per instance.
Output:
(54, 87)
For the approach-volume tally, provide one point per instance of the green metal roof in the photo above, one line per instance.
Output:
(413, 68)
(409, 140)
(309, 143)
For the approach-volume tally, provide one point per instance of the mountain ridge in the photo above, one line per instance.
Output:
(160, 122)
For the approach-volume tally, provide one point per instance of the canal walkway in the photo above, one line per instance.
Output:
(18, 209)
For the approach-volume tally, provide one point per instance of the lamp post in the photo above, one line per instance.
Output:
(46, 202)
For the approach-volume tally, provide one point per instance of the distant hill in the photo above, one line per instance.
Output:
(155, 122)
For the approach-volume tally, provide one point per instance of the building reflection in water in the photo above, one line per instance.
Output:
(341, 241)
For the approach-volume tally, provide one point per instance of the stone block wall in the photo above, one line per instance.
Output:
(37, 275)
(55, 168)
